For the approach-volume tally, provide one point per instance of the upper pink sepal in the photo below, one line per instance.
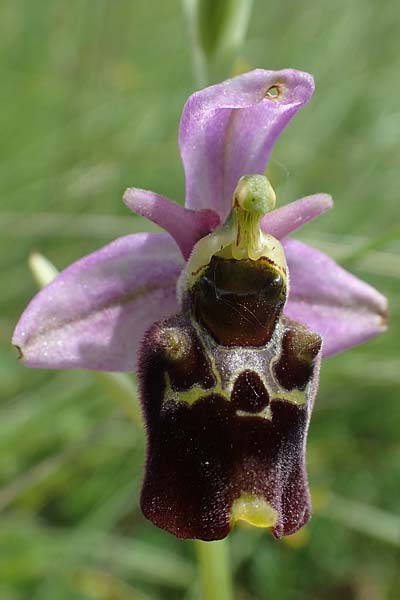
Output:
(228, 130)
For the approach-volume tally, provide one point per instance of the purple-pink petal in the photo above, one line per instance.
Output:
(228, 130)
(344, 310)
(186, 226)
(95, 313)
(285, 220)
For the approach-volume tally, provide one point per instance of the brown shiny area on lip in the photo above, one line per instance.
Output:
(249, 393)
(295, 366)
(239, 301)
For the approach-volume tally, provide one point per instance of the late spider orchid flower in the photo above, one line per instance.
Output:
(229, 368)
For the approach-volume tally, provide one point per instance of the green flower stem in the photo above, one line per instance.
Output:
(214, 570)
(217, 29)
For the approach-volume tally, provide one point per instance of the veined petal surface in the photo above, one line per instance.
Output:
(94, 314)
(228, 130)
(344, 310)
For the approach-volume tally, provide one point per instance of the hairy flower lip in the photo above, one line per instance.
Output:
(203, 453)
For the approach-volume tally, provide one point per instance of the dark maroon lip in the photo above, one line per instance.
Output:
(210, 442)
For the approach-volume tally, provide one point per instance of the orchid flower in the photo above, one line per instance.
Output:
(227, 396)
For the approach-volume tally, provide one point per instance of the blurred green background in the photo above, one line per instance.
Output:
(91, 94)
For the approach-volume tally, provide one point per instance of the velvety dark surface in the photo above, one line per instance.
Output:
(249, 393)
(295, 366)
(201, 456)
(191, 369)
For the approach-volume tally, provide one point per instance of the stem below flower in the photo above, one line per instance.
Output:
(214, 570)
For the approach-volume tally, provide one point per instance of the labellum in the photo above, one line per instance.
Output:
(228, 386)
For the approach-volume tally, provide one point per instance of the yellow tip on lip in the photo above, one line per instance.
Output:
(254, 510)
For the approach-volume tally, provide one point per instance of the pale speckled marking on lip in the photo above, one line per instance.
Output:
(263, 414)
(145, 289)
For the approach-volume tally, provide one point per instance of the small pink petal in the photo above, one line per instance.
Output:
(228, 130)
(186, 226)
(344, 310)
(94, 314)
(287, 219)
